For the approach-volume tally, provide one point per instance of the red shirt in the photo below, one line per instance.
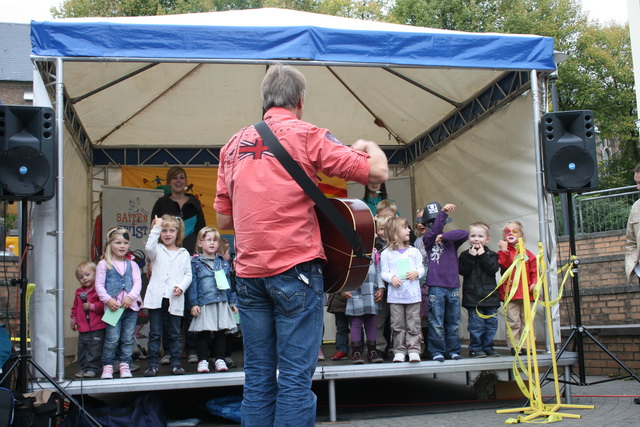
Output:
(274, 219)
(505, 259)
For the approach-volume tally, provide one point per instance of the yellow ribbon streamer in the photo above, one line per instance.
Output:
(538, 412)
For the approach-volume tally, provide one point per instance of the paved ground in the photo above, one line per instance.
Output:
(451, 402)
(447, 402)
(420, 400)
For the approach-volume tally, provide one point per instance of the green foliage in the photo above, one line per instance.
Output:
(373, 10)
(593, 215)
(543, 17)
(107, 8)
(603, 215)
(9, 221)
(598, 76)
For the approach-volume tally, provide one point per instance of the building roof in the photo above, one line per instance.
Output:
(15, 48)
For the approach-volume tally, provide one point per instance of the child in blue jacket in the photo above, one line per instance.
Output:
(211, 300)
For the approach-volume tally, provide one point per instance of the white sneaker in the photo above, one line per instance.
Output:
(221, 366)
(414, 357)
(320, 354)
(398, 357)
(166, 359)
(203, 366)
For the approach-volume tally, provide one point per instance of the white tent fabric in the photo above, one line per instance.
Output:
(193, 80)
(494, 184)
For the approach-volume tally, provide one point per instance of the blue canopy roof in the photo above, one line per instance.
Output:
(273, 34)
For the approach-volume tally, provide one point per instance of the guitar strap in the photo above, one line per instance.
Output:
(312, 190)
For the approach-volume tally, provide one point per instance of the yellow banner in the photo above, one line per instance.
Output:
(202, 184)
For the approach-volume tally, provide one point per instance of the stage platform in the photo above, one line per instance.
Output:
(328, 370)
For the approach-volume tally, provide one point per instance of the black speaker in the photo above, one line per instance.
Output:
(569, 151)
(27, 153)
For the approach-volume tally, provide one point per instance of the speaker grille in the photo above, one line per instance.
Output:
(572, 167)
(25, 170)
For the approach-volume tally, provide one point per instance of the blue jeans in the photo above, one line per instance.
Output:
(482, 331)
(164, 327)
(122, 335)
(342, 332)
(444, 321)
(281, 320)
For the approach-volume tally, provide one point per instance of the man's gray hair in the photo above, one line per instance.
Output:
(637, 169)
(282, 86)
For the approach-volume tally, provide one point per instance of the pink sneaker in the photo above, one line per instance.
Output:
(125, 372)
(107, 372)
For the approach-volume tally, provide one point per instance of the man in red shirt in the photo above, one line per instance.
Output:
(279, 251)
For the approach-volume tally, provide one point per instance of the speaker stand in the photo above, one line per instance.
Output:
(579, 331)
(23, 359)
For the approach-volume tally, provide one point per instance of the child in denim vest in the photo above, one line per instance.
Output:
(118, 284)
(211, 300)
(164, 298)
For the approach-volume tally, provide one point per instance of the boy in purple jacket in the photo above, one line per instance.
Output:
(443, 282)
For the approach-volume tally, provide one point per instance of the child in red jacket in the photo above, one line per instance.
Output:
(511, 232)
(86, 318)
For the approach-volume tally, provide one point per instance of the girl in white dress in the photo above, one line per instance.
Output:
(402, 268)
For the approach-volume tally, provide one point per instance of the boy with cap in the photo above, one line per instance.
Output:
(443, 282)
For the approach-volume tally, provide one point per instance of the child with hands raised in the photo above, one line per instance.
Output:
(211, 299)
(443, 281)
(118, 285)
(401, 266)
(164, 298)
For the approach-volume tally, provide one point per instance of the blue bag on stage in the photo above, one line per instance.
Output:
(227, 407)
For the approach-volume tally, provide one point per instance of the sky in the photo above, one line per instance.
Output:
(38, 10)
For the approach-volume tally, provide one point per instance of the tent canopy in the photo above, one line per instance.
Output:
(193, 80)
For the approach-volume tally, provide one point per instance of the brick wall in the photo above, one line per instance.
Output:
(610, 308)
(12, 93)
(9, 295)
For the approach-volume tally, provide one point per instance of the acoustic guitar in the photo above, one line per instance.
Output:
(345, 271)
